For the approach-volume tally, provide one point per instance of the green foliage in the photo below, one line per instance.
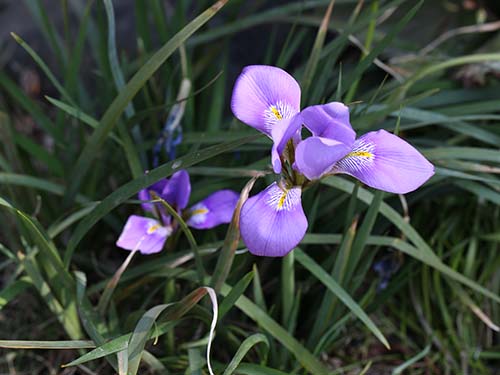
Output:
(319, 310)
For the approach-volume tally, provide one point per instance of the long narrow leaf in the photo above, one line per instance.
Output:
(335, 288)
(243, 350)
(113, 113)
(424, 252)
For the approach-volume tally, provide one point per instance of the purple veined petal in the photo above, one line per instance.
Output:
(214, 210)
(316, 156)
(273, 222)
(281, 133)
(145, 194)
(263, 95)
(329, 121)
(143, 234)
(177, 190)
(386, 162)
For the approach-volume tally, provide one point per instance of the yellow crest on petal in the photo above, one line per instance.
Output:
(363, 154)
(153, 228)
(199, 211)
(276, 112)
(282, 199)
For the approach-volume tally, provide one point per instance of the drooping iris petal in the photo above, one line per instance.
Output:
(281, 133)
(386, 162)
(178, 189)
(273, 222)
(263, 95)
(316, 156)
(145, 194)
(214, 210)
(143, 234)
(329, 121)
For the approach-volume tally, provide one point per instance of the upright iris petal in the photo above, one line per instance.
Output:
(288, 129)
(273, 222)
(178, 189)
(214, 210)
(145, 194)
(143, 234)
(386, 162)
(175, 191)
(263, 96)
(332, 139)
(329, 121)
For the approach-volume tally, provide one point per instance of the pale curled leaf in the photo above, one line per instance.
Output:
(213, 299)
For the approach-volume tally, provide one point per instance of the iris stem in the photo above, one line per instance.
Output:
(292, 177)
(194, 246)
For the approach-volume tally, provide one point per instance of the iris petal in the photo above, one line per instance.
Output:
(214, 210)
(264, 95)
(386, 162)
(281, 133)
(145, 194)
(329, 121)
(143, 234)
(273, 222)
(177, 190)
(316, 156)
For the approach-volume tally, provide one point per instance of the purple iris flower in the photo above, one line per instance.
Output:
(267, 98)
(148, 235)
